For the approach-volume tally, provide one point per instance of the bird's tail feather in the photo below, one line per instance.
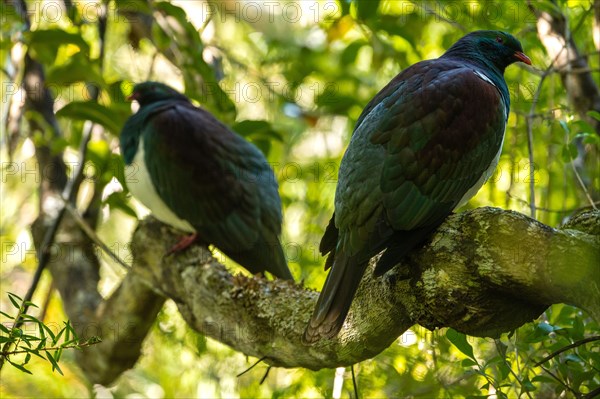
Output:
(265, 255)
(279, 266)
(335, 299)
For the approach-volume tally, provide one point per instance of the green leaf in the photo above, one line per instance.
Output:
(25, 316)
(502, 348)
(263, 145)
(118, 200)
(25, 339)
(569, 152)
(527, 385)
(4, 329)
(49, 331)
(578, 330)
(71, 330)
(92, 111)
(468, 363)
(573, 358)
(57, 338)
(200, 344)
(133, 6)
(55, 37)
(29, 303)
(7, 315)
(581, 126)
(58, 354)
(54, 363)
(15, 299)
(594, 114)
(495, 360)
(460, 341)
(179, 21)
(588, 138)
(42, 335)
(19, 367)
(334, 102)
(257, 129)
(67, 334)
(349, 54)
(565, 126)
(190, 47)
(543, 378)
(4, 339)
(44, 43)
(504, 370)
(546, 327)
(78, 68)
(366, 9)
(37, 353)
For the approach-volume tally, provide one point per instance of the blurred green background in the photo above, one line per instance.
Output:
(292, 77)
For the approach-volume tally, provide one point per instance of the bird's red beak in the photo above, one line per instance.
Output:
(132, 96)
(522, 57)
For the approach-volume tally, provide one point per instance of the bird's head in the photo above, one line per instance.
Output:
(499, 48)
(150, 92)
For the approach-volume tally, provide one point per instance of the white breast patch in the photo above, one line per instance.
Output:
(140, 184)
(484, 177)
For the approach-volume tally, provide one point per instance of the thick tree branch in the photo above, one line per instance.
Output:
(484, 272)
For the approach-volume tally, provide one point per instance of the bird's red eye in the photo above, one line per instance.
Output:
(499, 39)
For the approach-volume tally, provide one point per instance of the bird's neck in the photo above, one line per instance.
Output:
(492, 71)
(467, 51)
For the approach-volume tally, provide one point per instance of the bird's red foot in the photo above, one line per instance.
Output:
(184, 243)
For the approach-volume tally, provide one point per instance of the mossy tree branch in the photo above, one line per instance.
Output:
(484, 272)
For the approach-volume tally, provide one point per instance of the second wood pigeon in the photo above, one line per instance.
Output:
(423, 146)
(197, 175)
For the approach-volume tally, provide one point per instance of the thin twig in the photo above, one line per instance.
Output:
(593, 394)
(264, 377)
(251, 367)
(354, 382)
(85, 227)
(549, 210)
(497, 344)
(87, 343)
(529, 124)
(582, 184)
(151, 69)
(568, 388)
(440, 17)
(7, 73)
(566, 348)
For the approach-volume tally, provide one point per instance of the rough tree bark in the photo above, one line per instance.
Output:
(484, 272)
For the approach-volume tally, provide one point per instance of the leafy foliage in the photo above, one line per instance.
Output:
(293, 79)
(46, 345)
